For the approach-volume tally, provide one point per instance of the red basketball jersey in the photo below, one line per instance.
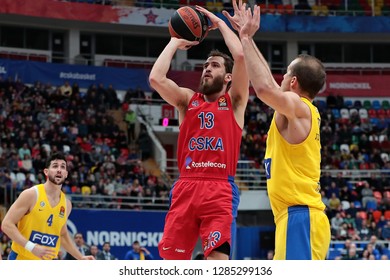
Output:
(209, 139)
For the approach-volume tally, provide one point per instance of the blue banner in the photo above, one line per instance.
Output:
(322, 24)
(30, 72)
(120, 228)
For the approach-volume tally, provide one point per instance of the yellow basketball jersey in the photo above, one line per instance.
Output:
(42, 225)
(293, 170)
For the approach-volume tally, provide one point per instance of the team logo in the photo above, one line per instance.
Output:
(42, 204)
(45, 239)
(62, 211)
(222, 103)
(188, 162)
(212, 240)
(195, 103)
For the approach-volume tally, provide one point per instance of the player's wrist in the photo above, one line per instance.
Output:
(29, 246)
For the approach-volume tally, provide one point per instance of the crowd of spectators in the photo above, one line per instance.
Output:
(41, 119)
(299, 7)
(106, 169)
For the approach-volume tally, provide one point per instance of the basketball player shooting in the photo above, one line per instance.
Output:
(204, 199)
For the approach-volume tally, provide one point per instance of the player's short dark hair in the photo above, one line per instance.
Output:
(53, 157)
(228, 60)
(310, 73)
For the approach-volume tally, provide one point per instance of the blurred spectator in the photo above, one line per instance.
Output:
(112, 98)
(386, 231)
(105, 254)
(144, 143)
(364, 231)
(336, 223)
(80, 244)
(93, 251)
(367, 194)
(375, 245)
(351, 253)
(138, 253)
(334, 203)
(131, 119)
(66, 90)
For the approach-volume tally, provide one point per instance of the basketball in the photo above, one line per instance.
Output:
(188, 23)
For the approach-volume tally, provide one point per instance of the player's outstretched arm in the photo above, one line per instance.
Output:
(167, 88)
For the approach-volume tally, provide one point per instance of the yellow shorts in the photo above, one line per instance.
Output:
(302, 233)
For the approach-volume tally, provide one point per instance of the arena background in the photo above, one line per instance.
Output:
(116, 42)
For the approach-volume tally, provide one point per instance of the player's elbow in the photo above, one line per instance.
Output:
(5, 227)
(155, 80)
(239, 57)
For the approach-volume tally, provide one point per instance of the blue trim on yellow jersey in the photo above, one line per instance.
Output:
(298, 233)
(12, 255)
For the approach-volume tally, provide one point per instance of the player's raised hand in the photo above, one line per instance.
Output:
(183, 44)
(213, 19)
(239, 12)
(251, 22)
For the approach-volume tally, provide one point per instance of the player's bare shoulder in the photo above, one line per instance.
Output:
(29, 194)
(26, 199)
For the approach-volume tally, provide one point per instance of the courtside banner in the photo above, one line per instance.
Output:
(344, 85)
(120, 228)
(194, 270)
(122, 78)
(31, 71)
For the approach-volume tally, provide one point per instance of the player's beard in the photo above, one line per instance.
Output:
(55, 181)
(210, 88)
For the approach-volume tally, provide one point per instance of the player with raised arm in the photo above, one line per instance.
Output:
(204, 199)
(293, 152)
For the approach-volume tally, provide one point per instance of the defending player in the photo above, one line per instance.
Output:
(292, 159)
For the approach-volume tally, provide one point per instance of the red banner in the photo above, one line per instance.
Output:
(87, 12)
(59, 10)
(358, 85)
(344, 85)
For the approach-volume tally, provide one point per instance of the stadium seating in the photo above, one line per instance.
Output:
(378, 196)
(376, 215)
(376, 104)
(348, 103)
(357, 104)
(371, 206)
(387, 214)
(333, 254)
(367, 104)
(385, 104)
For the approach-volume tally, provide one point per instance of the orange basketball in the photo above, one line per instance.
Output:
(188, 23)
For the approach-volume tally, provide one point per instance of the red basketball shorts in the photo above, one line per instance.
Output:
(199, 207)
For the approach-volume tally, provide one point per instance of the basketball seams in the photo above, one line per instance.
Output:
(190, 28)
(188, 23)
